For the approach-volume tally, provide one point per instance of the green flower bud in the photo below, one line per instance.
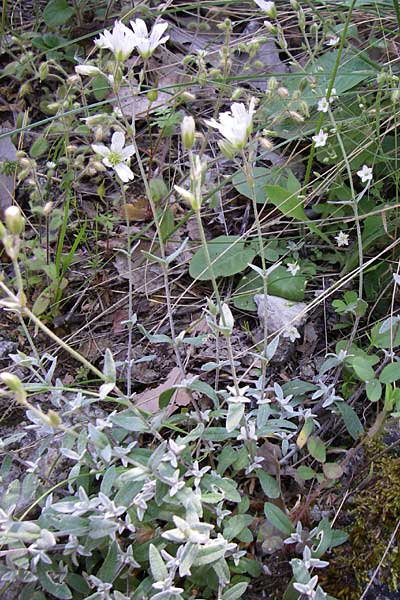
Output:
(15, 222)
(188, 129)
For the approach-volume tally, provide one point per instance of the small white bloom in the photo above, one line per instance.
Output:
(235, 125)
(333, 95)
(116, 156)
(307, 588)
(197, 473)
(176, 483)
(365, 174)
(248, 433)
(320, 139)
(121, 41)
(237, 397)
(146, 42)
(342, 239)
(291, 332)
(293, 268)
(268, 7)
(332, 41)
(396, 278)
(323, 105)
(50, 164)
(309, 562)
(221, 513)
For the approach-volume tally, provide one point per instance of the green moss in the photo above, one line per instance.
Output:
(373, 512)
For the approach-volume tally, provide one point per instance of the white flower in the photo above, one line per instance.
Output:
(87, 70)
(268, 7)
(291, 332)
(293, 268)
(342, 239)
(333, 95)
(197, 473)
(248, 433)
(396, 278)
(309, 562)
(332, 41)
(235, 125)
(144, 42)
(121, 41)
(176, 483)
(323, 105)
(307, 588)
(239, 396)
(320, 138)
(116, 156)
(221, 513)
(50, 164)
(196, 533)
(166, 589)
(365, 174)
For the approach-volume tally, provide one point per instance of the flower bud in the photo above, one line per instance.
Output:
(24, 162)
(270, 27)
(15, 222)
(43, 71)
(237, 93)
(297, 118)
(47, 209)
(14, 383)
(227, 149)
(152, 95)
(53, 419)
(188, 96)
(188, 129)
(88, 70)
(185, 194)
(282, 92)
(266, 144)
(73, 80)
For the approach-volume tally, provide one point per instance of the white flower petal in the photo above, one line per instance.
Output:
(124, 172)
(101, 149)
(117, 141)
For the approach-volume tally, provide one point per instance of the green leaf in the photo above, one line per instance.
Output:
(351, 420)
(235, 414)
(269, 484)
(109, 567)
(305, 433)
(58, 590)
(165, 397)
(374, 390)
(363, 369)
(228, 257)
(278, 519)
(128, 421)
(234, 525)
(109, 369)
(316, 448)
(305, 473)
(280, 283)
(100, 87)
(167, 223)
(236, 591)
(157, 566)
(39, 147)
(286, 201)
(332, 470)
(385, 338)
(57, 12)
(390, 373)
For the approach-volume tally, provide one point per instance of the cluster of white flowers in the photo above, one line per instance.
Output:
(122, 41)
(235, 126)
